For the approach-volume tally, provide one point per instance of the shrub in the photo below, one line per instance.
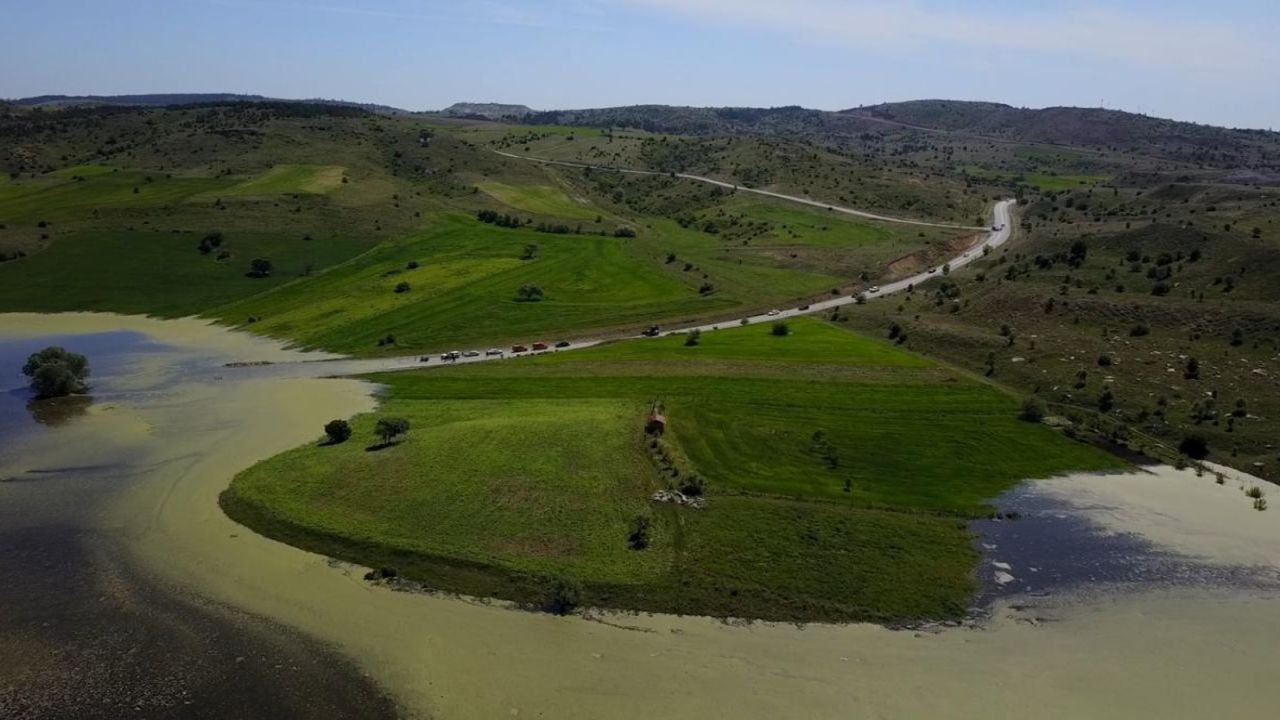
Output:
(1142, 329)
(565, 595)
(389, 429)
(624, 232)
(412, 265)
(781, 329)
(1033, 410)
(1194, 446)
(693, 338)
(1254, 492)
(1106, 401)
(54, 372)
(638, 538)
(1192, 371)
(529, 293)
(1104, 361)
(402, 287)
(693, 485)
(260, 268)
(339, 431)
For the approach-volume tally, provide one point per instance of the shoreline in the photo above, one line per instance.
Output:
(456, 658)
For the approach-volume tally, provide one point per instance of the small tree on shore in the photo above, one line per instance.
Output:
(339, 431)
(529, 293)
(781, 329)
(388, 429)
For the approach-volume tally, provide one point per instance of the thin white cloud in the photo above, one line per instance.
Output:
(1097, 33)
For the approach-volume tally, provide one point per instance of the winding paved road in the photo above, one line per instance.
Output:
(1002, 224)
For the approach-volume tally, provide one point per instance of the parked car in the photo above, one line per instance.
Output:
(539, 346)
(471, 353)
(933, 270)
(803, 307)
(562, 344)
(492, 351)
(519, 349)
(425, 358)
(874, 289)
(452, 355)
(773, 312)
(651, 332)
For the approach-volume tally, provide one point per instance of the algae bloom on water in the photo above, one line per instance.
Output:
(55, 372)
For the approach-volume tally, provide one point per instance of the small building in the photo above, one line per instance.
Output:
(657, 424)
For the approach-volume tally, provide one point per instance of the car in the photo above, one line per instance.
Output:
(453, 355)
(562, 344)
(651, 332)
(539, 346)
(803, 307)
(492, 351)
(772, 313)
(519, 349)
(874, 289)
(425, 358)
(933, 270)
(471, 353)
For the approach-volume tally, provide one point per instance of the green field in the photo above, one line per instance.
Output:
(521, 471)
(283, 179)
(539, 200)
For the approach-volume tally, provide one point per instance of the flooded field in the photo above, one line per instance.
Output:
(131, 579)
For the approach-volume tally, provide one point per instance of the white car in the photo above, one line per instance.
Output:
(492, 351)
(471, 353)
(874, 289)
(773, 312)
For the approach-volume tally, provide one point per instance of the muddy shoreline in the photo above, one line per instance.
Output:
(1172, 651)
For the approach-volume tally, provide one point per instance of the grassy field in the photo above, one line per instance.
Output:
(283, 179)
(539, 200)
(524, 471)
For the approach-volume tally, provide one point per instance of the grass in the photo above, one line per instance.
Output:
(524, 470)
(539, 200)
(154, 272)
(283, 179)
(40, 199)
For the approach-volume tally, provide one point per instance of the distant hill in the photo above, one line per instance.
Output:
(486, 111)
(169, 99)
(687, 120)
(1097, 128)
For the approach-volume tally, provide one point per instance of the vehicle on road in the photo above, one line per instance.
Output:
(562, 344)
(425, 358)
(874, 289)
(519, 349)
(539, 346)
(471, 353)
(492, 351)
(933, 270)
(773, 312)
(451, 355)
(651, 332)
(803, 307)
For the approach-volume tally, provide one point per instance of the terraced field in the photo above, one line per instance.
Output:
(859, 464)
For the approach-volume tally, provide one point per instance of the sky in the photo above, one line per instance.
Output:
(1215, 63)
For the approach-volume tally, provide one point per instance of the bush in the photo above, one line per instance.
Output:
(565, 595)
(339, 431)
(624, 232)
(781, 329)
(260, 268)
(1104, 361)
(693, 338)
(693, 485)
(389, 429)
(529, 293)
(1033, 410)
(54, 372)
(1142, 329)
(1194, 447)
(402, 287)
(638, 538)
(1254, 492)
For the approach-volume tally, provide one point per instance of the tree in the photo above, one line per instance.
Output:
(781, 329)
(566, 593)
(403, 286)
(390, 428)
(692, 338)
(638, 538)
(1193, 369)
(1032, 410)
(529, 293)
(54, 372)
(339, 431)
(210, 242)
(1106, 401)
(260, 268)
(1194, 447)
(530, 252)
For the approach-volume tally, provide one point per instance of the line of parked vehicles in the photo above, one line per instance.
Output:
(456, 355)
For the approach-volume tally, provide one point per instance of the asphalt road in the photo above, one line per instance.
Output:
(995, 238)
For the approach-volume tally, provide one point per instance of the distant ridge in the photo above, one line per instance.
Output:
(170, 99)
(486, 111)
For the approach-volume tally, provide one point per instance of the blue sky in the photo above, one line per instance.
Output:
(1208, 62)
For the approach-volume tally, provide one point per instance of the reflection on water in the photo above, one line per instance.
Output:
(53, 412)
